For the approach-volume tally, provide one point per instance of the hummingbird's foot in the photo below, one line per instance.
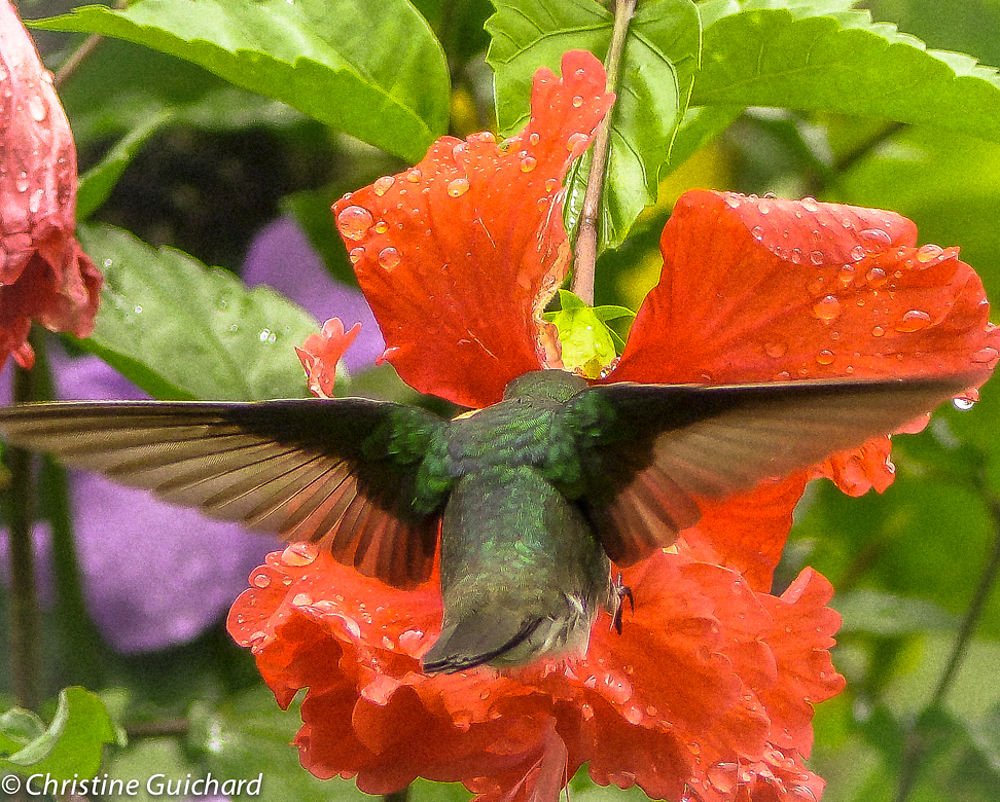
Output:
(622, 592)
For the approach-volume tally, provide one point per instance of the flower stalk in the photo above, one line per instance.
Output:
(915, 746)
(25, 626)
(585, 256)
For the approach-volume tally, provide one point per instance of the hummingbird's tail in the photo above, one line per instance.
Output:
(477, 639)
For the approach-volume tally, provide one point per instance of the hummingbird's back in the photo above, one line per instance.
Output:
(522, 575)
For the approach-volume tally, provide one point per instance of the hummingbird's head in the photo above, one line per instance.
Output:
(548, 385)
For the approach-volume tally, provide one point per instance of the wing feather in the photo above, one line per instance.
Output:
(650, 451)
(326, 471)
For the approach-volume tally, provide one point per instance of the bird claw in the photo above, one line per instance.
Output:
(622, 591)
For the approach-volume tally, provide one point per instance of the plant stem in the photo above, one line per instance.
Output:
(914, 746)
(401, 795)
(25, 625)
(585, 256)
(161, 728)
(78, 56)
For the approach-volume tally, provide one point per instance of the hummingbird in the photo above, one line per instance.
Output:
(532, 499)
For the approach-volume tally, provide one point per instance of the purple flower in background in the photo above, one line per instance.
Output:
(155, 574)
(282, 257)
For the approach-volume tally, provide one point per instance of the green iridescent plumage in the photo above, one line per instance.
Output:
(531, 498)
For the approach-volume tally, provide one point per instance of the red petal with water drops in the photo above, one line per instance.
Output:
(44, 274)
(732, 711)
(763, 289)
(321, 352)
(747, 531)
(459, 255)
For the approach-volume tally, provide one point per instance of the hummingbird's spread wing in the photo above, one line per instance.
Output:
(337, 472)
(648, 451)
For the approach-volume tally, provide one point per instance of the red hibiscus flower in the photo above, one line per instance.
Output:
(44, 274)
(708, 692)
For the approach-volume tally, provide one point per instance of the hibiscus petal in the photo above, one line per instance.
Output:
(44, 274)
(762, 289)
(747, 531)
(282, 257)
(709, 687)
(320, 353)
(459, 255)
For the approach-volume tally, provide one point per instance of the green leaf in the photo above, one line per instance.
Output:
(881, 613)
(181, 330)
(377, 73)
(17, 728)
(588, 345)
(73, 743)
(98, 182)
(661, 56)
(148, 85)
(250, 734)
(843, 63)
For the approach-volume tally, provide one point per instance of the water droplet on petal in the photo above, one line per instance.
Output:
(845, 275)
(587, 711)
(878, 331)
(389, 258)
(528, 163)
(260, 580)
(458, 187)
(874, 240)
(383, 184)
(577, 102)
(757, 232)
(633, 715)
(827, 308)
(36, 108)
(414, 176)
(764, 206)
(21, 182)
(732, 201)
(857, 253)
(810, 204)
(35, 201)
(354, 222)
(825, 357)
(410, 641)
(577, 141)
(963, 403)
(617, 688)
(775, 350)
(928, 253)
(876, 277)
(914, 320)
(817, 258)
(355, 255)
(298, 554)
(534, 138)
